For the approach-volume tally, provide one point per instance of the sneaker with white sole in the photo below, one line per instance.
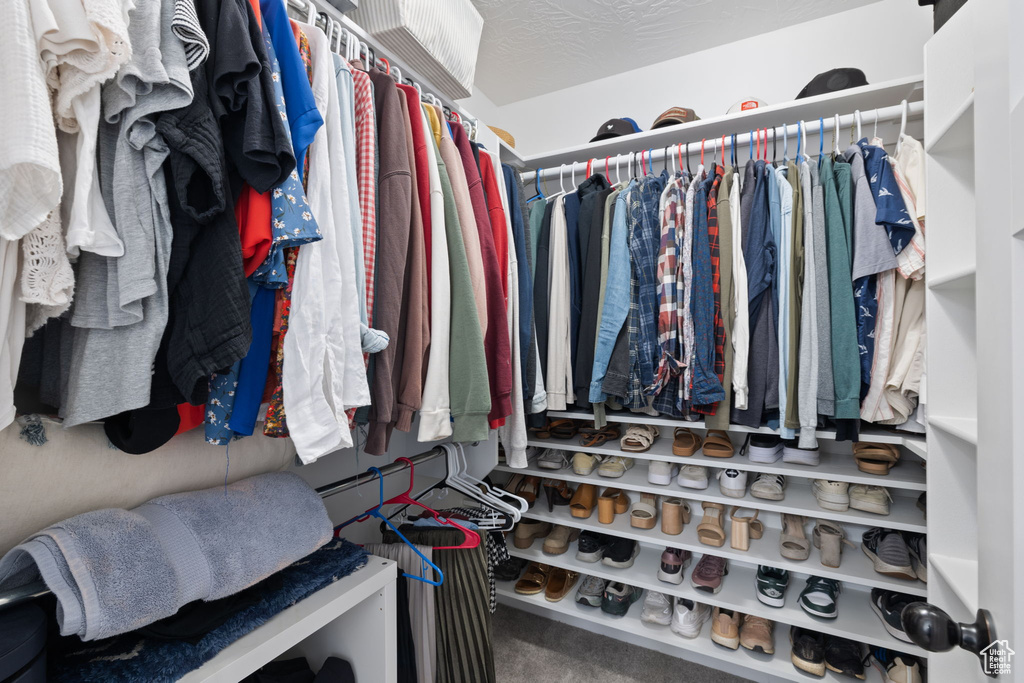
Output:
(693, 477)
(552, 459)
(591, 546)
(896, 667)
(889, 605)
(673, 562)
(764, 448)
(618, 597)
(591, 591)
(584, 463)
(819, 597)
(688, 617)
(874, 499)
(794, 455)
(888, 552)
(769, 486)
(918, 545)
(615, 466)
(770, 585)
(621, 553)
(832, 495)
(657, 609)
(732, 483)
(661, 473)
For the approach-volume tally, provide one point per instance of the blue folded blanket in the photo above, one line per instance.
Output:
(115, 570)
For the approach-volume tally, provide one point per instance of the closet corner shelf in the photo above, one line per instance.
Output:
(914, 443)
(960, 574)
(955, 280)
(963, 428)
(956, 132)
(509, 154)
(660, 638)
(293, 625)
(855, 621)
(864, 98)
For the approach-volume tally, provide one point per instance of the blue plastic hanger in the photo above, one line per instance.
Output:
(752, 143)
(821, 137)
(799, 138)
(733, 150)
(375, 512)
(536, 179)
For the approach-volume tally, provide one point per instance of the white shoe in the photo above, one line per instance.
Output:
(615, 466)
(800, 456)
(552, 459)
(657, 609)
(661, 473)
(764, 448)
(693, 477)
(832, 495)
(584, 463)
(870, 499)
(689, 617)
(769, 487)
(732, 483)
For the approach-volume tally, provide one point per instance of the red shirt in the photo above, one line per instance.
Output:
(496, 212)
(419, 143)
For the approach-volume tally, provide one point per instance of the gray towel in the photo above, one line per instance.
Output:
(117, 570)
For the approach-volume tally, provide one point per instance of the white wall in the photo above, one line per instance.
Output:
(884, 39)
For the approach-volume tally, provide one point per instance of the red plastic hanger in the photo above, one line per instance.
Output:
(472, 538)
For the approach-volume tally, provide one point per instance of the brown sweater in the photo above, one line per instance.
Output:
(394, 202)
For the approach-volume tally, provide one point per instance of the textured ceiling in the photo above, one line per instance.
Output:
(532, 47)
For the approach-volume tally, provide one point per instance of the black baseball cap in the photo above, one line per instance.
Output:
(833, 81)
(613, 128)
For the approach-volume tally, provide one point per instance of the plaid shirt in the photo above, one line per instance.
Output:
(716, 286)
(686, 260)
(643, 251)
(366, 136)
(707, 388)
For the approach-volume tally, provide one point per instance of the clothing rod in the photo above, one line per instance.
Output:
(38, 589)
(810, 127)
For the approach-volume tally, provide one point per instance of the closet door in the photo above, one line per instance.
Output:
(975, 291)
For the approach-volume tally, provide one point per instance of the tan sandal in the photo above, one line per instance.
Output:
(875, 458)
(612, 502)
(638, 438)
(534, 580)
(685, 442)
(675, 512)
(744, 529)
(643, 514)
(710, 530)
(718, 445)
(793, 544)
(583, 501)
(829, 537)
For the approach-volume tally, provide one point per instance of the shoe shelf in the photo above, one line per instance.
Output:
(856, 620)
(855, 567)
(661, 638)
(799, 500)
(912, 442)
(907, 474)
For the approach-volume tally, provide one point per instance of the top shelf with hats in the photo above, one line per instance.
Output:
(865, 99)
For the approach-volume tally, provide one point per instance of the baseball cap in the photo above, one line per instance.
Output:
(832, 81)
(675, 116)
(613, 128)
(747, 103)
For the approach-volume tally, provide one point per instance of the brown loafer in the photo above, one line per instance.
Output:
(560, 582)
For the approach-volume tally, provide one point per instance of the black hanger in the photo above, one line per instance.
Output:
(775, 145)
(689, 170)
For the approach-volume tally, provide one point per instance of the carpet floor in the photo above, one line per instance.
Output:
(531, 648)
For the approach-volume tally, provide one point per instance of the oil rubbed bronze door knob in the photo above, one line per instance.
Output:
(934, 630)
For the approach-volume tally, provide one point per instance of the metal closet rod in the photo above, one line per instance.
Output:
(868, 118)
(317, 9)
(38, 589)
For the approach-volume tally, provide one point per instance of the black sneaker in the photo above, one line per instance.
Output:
(888, 552)
(621, 553)
(819, 597)
(618, 597)
(896, 666)
(918, 546)
(591, 546)
(771, 585)
(808, 651)
(888, 605)
(510, 569)
(844, 656)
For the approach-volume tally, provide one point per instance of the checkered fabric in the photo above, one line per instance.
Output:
(643, 252)
(707, 388)
(366, 141)
(716, 287)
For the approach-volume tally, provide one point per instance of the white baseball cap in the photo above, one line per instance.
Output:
(747, 103)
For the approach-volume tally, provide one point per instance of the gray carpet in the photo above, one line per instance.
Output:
(531, 648)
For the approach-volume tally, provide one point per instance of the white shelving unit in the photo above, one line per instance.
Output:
(905, 482)
(354, 618)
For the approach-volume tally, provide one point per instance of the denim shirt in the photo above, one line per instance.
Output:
(707, 388)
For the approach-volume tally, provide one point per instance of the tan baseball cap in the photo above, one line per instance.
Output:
(675, 116)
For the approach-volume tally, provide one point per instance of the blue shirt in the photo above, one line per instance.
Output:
(890, 210)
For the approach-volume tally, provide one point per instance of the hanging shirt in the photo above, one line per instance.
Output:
(783, 276)
(707, 388)
(890, 211)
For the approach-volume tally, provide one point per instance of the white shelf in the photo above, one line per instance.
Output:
(856, 620)
(509, 155)
(960, 278)
(293, 625)
(855, 566)
(912, 442)
(957, 132)
(799, 500)
(960, 574)
(865, 98)
(963, 428)
(835, 466)
(661, 638)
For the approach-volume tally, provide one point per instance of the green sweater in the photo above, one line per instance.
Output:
(835, 178)
(468, 387)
